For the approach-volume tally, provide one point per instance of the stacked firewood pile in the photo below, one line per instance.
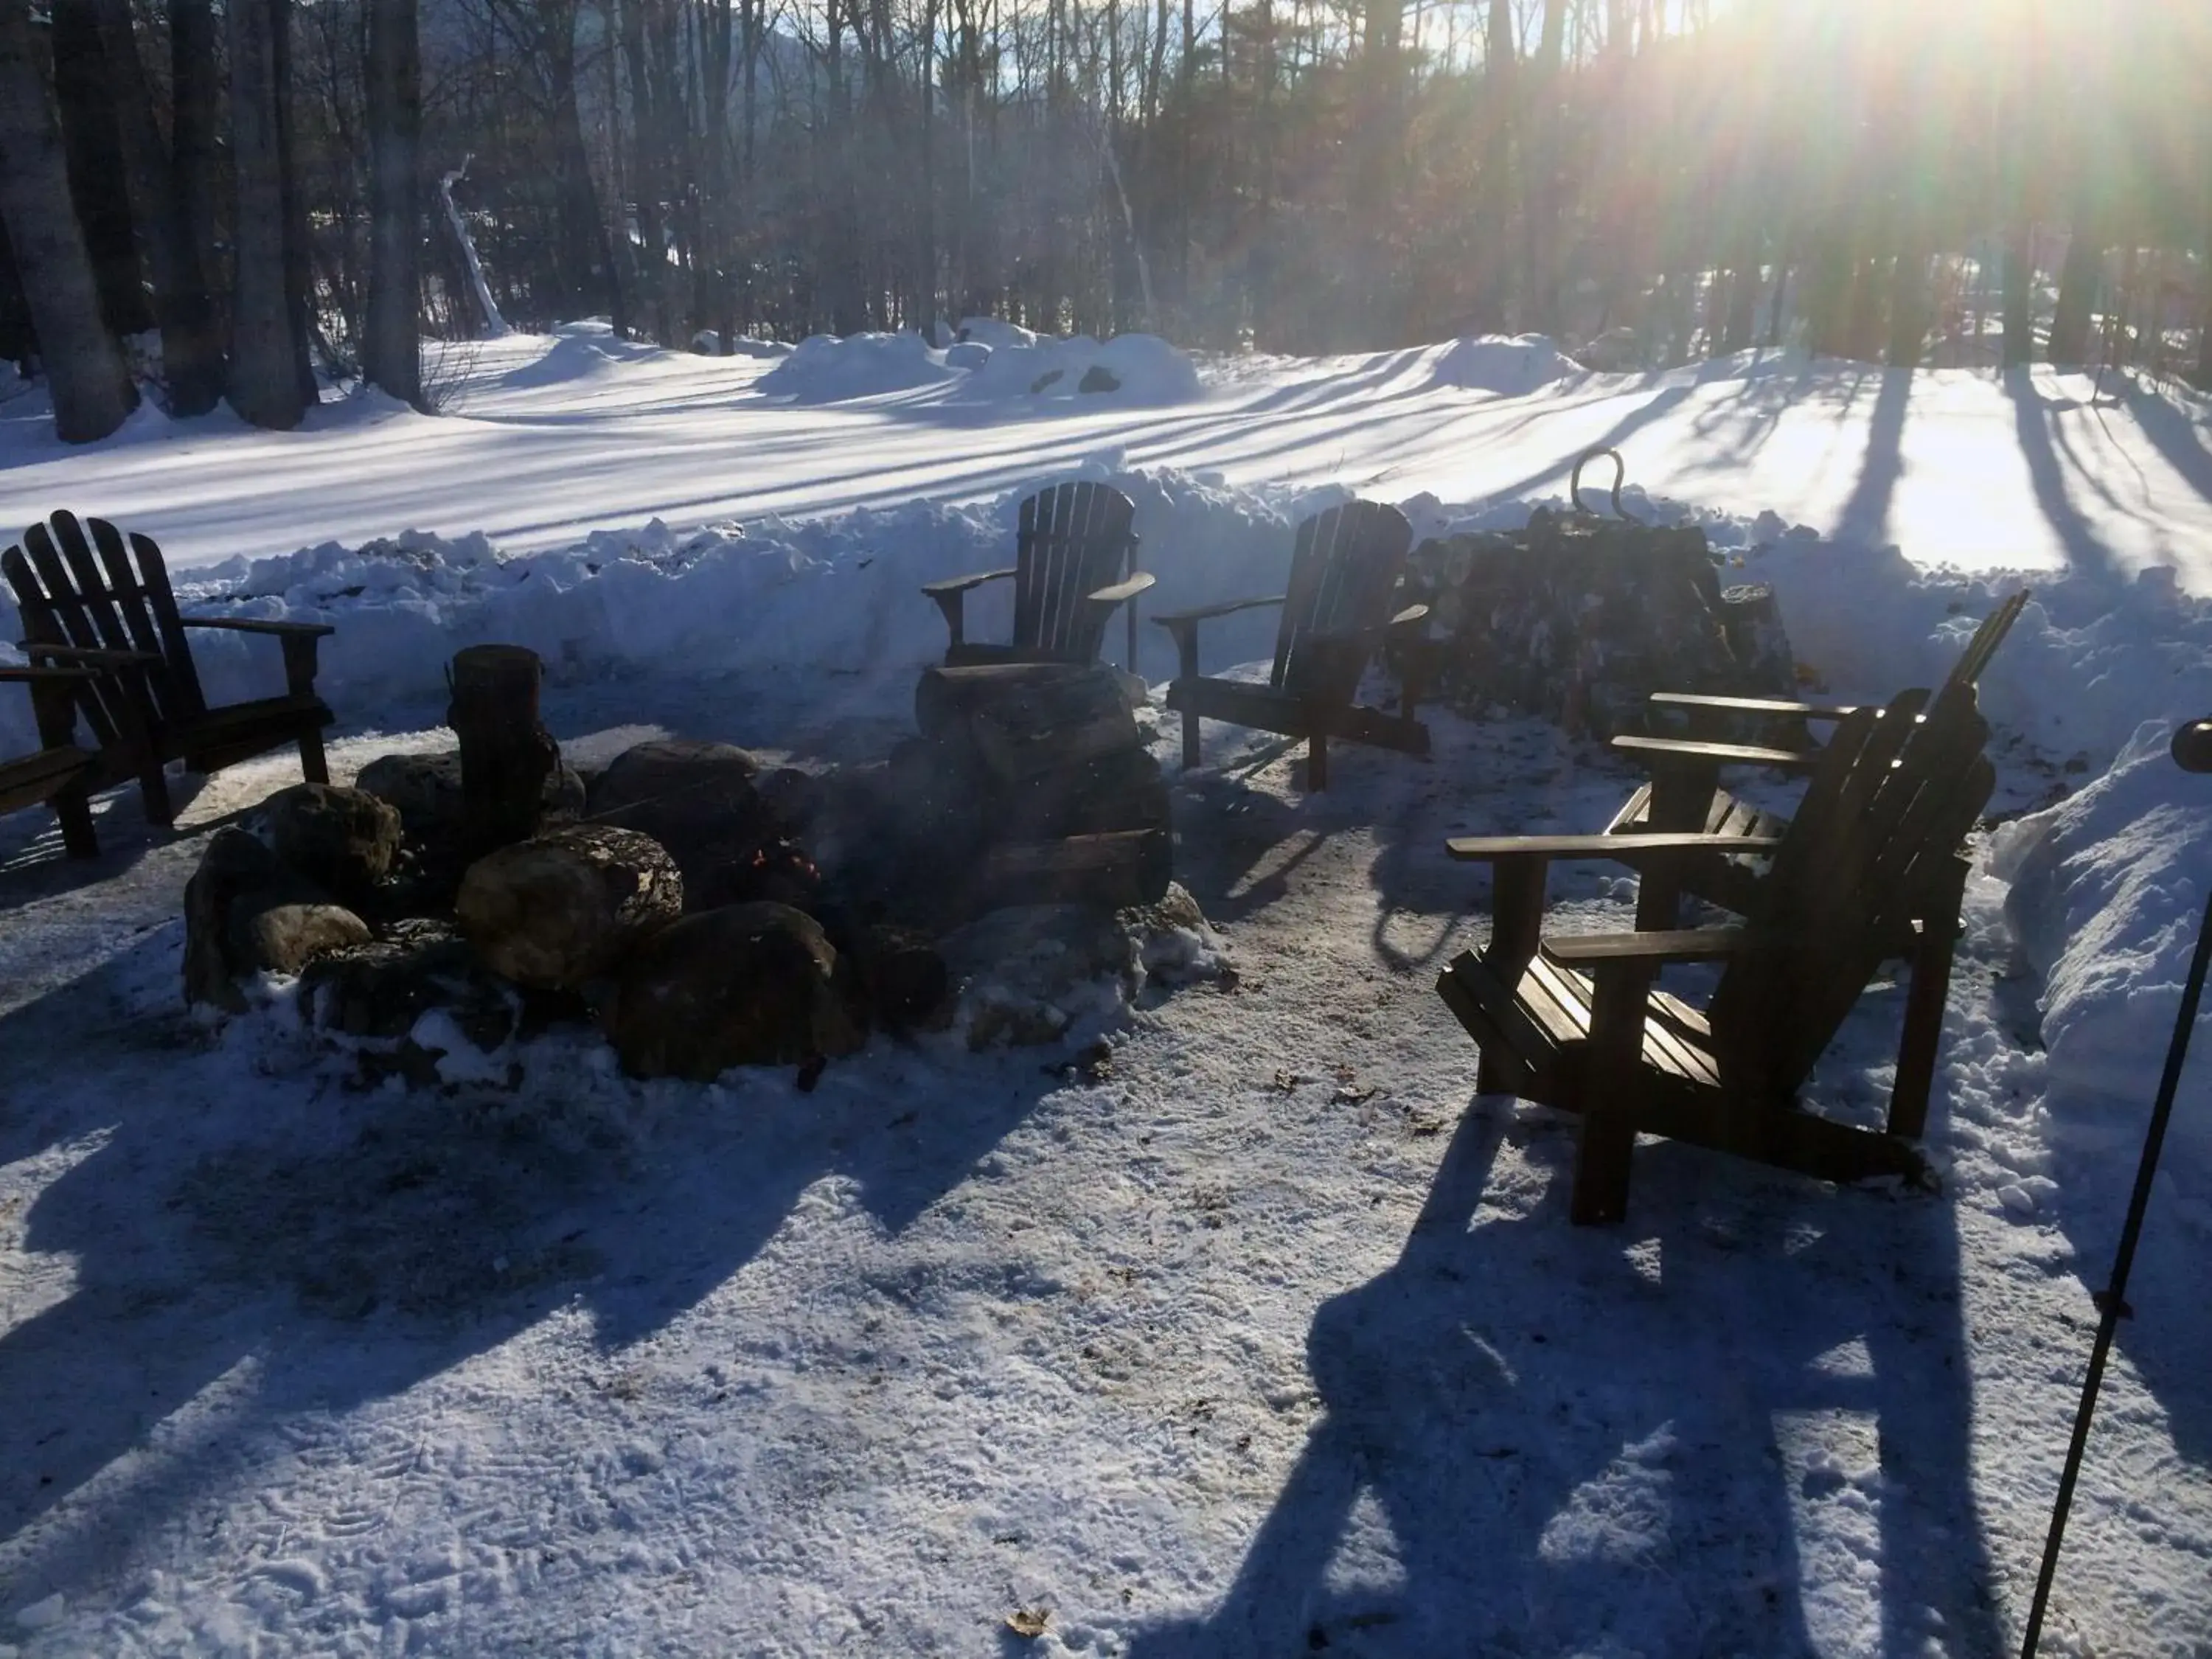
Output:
(1578, 619)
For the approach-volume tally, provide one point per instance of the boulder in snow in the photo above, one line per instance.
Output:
(340, 839)
(246, 913)
(564, 907)
(745, 985)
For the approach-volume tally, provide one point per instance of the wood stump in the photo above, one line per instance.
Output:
(1037, 786)
(506, 754)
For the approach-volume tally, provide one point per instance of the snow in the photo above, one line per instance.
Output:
(1226, 1326)
(2108, 891)
(549, 437)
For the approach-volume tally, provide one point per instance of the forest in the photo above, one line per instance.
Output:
(244, 201)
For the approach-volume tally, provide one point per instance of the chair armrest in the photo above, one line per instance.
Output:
(1657, 750)
(1675, 945)
(1178, 618)
(257, 625)
(36, 674)
(98, 657)
(1123, 591)
(961, 584)
(1633, 849)
(1412, 617)
(1771, 707)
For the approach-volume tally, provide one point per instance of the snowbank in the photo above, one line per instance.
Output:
(1000, 364)
(1511, 365)
(2107, 890)
(827, 369)
(995, 333)
(1130, 369)
(838, 595)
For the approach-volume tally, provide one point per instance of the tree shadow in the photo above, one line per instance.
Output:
(1539, 1440)
(2086, 551)
(1864, 515)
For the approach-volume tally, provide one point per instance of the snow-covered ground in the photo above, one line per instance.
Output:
(552, 436)
(1255, 1340)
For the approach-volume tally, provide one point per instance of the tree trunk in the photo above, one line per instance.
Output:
(392, 342)
(92, 390)
(196, 97)
(85, 95)
(192, 358)
(298, 278)
(265, 382)
(2078, 282)
(2019, 297)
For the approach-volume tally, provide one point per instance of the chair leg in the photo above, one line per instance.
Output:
(1601, 1193)
(1923, 1024)
(153, 789)
(313, 766)
(1318, 762)
(1189, 741)
(73, 807)
(1495, 1073)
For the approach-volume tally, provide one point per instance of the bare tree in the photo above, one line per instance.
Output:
(265, 383)
(92, 390)
(391, 341)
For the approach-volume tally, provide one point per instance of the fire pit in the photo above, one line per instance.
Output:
(1005, 871)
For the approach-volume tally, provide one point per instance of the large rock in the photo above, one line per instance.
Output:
(700, 801)
(341, 839)
(746, 985)
(245, 913)
(564, 908)
(427, 790)
(669, 766)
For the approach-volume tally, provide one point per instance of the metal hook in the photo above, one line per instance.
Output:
(1619, 475)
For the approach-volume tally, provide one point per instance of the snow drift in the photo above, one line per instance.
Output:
(990, 365)
(2107, 889)
(1511, 365)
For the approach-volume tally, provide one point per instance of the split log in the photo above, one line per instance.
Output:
(564, 909)
(506, 754)
(1112, 870)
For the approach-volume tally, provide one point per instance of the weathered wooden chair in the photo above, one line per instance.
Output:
(99, 601)
(1578, 1023)
(55, 775)
(1344, 571)
(1684, 795)
(1075, 562)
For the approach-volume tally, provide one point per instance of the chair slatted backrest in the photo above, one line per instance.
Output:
(1074, 539)
(103, 593)
(1988, 636)
(1893, 798)
(1344, 570)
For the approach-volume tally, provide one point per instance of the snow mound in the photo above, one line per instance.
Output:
(1511, 365)
(1131, 369)
(995, 334)
(827, 369)
(2107, 889)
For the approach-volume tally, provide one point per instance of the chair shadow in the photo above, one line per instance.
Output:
(1540, 1439)
(284, 1243)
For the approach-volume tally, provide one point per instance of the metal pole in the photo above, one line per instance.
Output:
(2192, 751)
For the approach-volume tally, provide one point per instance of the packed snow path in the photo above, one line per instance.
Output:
(554, 435)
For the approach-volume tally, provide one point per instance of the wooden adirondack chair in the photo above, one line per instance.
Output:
(1075, 562)
(1685, 794)
(1344, 571)
(1578, 1022)
(99, 601)
(56, 774)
